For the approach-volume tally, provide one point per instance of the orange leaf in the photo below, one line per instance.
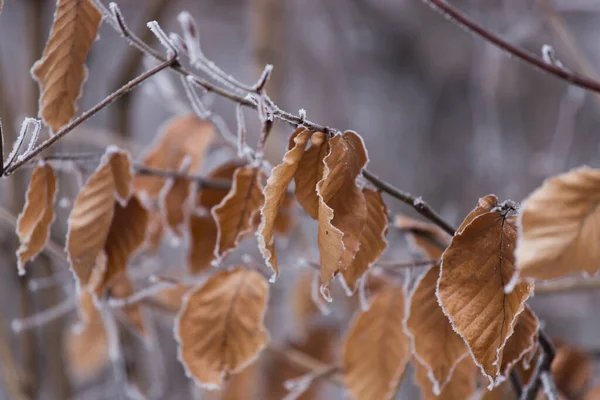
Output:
(33, 224)
(376, 350)
(342, 205)
(220, 329)
(462, 384)
(372, 241)
(309, 173)
(91, 217)
(424, 237)
(174, 205)
(286, 216)
(554, 244)
(61, 71)
(435, 344)
(474, 271)
(275, 192)
(234, 215)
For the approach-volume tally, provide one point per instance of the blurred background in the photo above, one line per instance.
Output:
(444, 115)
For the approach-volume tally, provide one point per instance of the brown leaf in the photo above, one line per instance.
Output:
(275, 192)
(33, 224)
(91, 217)
(424, 237)
(474, 271)
(560, 227)
(243, 385)
(126, 235)
(435, 344)
(572, 370)
(342, 205)
(123, 288)
(220, 329)
(184, 136)
(61, 71)
(234, 215)
(462, 384)
(522, 342)
(171, 298)
(86, 343)
(309, 173)
(376, 350)
(286, 216)
(593, 394)
(174, 205)
(484, 205)
(155, 232)
(372, 241)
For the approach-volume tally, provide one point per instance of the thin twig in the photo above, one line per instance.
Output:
(567, 285)
(203, 182)
(543, 367)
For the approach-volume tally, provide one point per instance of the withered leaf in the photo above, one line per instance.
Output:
(121, 289)
(275, 193)
(174, 205)
(309, 173)
(284, 222)
(92, 214)
(220, 329)
(474, 271)
(560, 227)
(593, 394)
(342, 205)
(522, 342)
(86, 343)
(462, 384)
(484, 204)
(424, 237)
(372, 240)
(61, 71)
(171, 298)
(33, 224)
(572, 370)
(376, 350)
(243, 385)
(435, 344)
(184, 136)
(234, 215)
(155, 232)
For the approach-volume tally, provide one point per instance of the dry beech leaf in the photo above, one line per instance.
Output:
(275, 192)
(184, 136)
(593, 394)
(372, 241)
(309, 173)
(92, 214)
(424, 237)
(33, 224)
(286, 216)
(376, 350)
(235, 214)
(126, 235)
(572, 371)
(220, 328)
(243, 385)
(522, 342)
(484, 205)
(86, 342)
(171, 298)
(474, 271)
(461, 386)
(61, 71)
(174, 205)
(560, 227)
(342, 205)
(155, 232)
(435, 344)
(123, 288)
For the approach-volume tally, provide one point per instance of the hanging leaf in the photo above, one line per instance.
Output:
(342, 205)
(33, 224)
(572, 370)
(244, 385)
(309, 173)
(86, 343)
(92, 214)
(184, 136)
(437, 348)
(474, 271)
(522, 342)
(234, 215)
(557, 243)
(171, 298)
(423, 237)
(155, 232)
(220, 329)
(372, 241)
(286, 216)
(462, 384)
(376, 350)
(61, 71)
(122, 289)
(275, 192)
(173, 202)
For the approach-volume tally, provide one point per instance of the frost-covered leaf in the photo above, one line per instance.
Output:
(462, 384)
(92, 214)
(372, 240)
(424, 237)
(220, 329)
(184, 136)
(309, 173)
(171, 298)
(33, 224)
(342, 205)
(122, 289)
(235, 214)
(522, 342)
(436, 347)
(376, 350)
(174, 204)
(286, 216)
(61, 71)
(474, 271)
(560, 227)
(155, 232)
(275, 192)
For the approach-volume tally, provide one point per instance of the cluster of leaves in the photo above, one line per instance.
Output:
(462, 322)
